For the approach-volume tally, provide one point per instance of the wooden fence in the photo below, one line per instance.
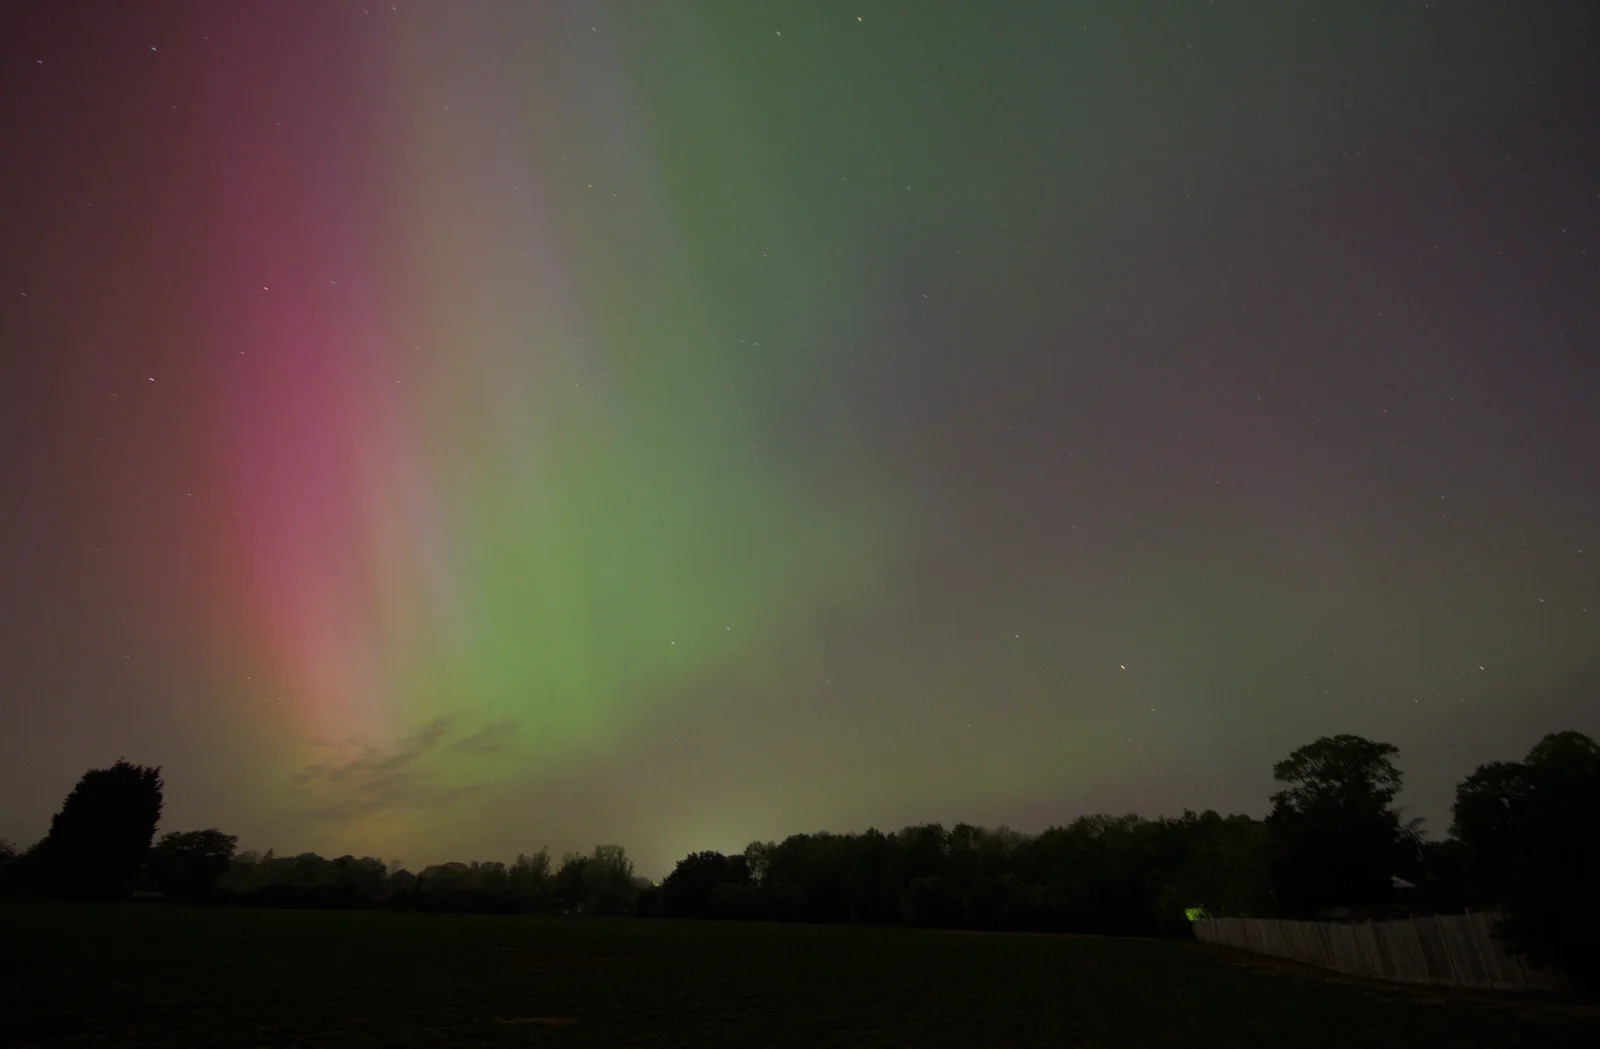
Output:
(1460, 950)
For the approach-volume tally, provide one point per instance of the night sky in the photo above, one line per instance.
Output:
(444, 429)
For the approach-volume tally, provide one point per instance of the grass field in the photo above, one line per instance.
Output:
(132, 975)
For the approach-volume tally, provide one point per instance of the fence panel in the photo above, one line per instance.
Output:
(1458, 950)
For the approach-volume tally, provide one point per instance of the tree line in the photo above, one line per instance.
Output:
(1525, 840)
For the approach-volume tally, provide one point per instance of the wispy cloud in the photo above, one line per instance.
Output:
(493, 740)
(420, 772)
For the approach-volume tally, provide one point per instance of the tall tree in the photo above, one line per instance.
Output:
(1224, 869)
(528, 878)
(1533, 835)
(688, 891)
(9, 866)
(98, 841)
(187, 865)
(1338, 840)
(1485, 817)
(568, 884)
(608, 881)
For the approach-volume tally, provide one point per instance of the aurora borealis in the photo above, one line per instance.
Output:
(439, 430)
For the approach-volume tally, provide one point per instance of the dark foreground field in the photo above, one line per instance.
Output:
(172, 976)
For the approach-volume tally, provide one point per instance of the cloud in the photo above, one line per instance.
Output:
(493, 740)
(422, 772)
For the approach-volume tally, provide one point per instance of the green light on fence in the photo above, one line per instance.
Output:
(1196, 914)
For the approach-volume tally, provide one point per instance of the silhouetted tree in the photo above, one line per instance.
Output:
(98, 841)
(310, 880)
(530, 880)
(246, 871)
(608, 882)
(362, 877)
(1104, 874)
(647, 902)
(1337, 838)
(188, 865)
(600, 883)
(480, 886)
(567, 887)
(399, 888)
(1446, 884)
(1485, 814)
(758, 859)
(1225, 869)
(10, 869)
(1533, 834)
(306, 880)
(689, 890)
